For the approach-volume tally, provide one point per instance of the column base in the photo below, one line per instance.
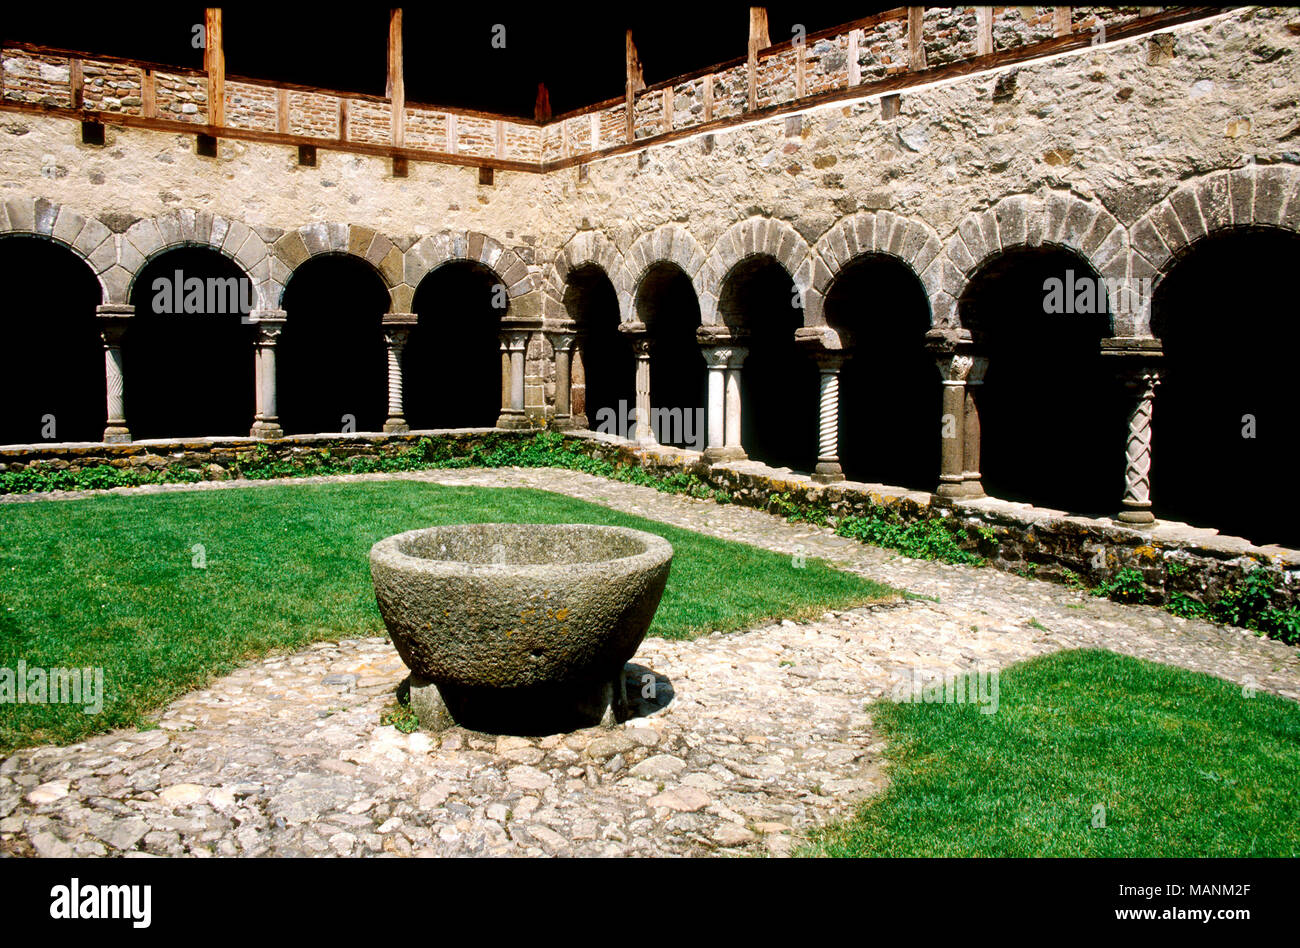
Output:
(972, 487)
(948, 491)
(266, 431)
(115, 435)
(564, 423)
(580, 421)
(731, 452)
(828, 472)
(1136, 515)
(396, 426)
(514, 419)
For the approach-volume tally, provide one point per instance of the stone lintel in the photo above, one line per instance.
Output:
(721, 335)
(400, 320)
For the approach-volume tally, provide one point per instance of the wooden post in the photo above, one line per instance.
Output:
(451, 133)
(500, 129)
(708, 97)
(668, 109)
(635, 83)
(984, 31)
(75, 81)
(542, 107)
(396, 87)
(282, 111)
(214, 64)
(595, 131)
(1062, 22)
(758, 39)
(915, 46)
(801, 70)
(343, 120)
(855, 67)
(148, 94)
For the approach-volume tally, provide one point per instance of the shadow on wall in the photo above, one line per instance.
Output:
(331, 360)
(1052, 414)
(778, 381)
(452, 376)
(189, 373)
(1223, 425)
(890, 397)
(52, 373)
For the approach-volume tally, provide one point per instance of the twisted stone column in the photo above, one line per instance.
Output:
(397, 329)
(1136, 504)
(1137, 360)
(113, 320)
(971, 484)
(828, 467)
(269, 323)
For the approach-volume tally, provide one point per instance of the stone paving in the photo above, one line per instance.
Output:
(741, 741)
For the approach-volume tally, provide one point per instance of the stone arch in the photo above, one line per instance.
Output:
(873, 232)
(752, 237)
(588, 247)
(148, 238)
(1057, 218)
(429, 253)
(87, 237)
(296, 247)
(1253, 196)
(667, 243)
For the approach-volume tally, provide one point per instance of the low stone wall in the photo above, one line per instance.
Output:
(1171, 558)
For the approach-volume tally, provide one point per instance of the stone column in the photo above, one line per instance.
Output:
(269, 323)
(397, 329)
(953, 369)
(731, 431)
(578, 389)
(971, 485)
(716, 357)
(113, 319)
(505, 373)
(1137, 360)
(828, 467)
(516, 343)
(636, 332)
(562, 344)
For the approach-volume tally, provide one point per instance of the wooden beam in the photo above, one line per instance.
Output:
(149, 94)
(76, 82)
(915, 42)
(214, 64)
(542, 107)
(1062, 21)
(758, 39)
(635, 83)
(984, 31)
(396, 86)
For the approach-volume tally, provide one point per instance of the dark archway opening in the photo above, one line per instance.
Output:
(608, 366)
(667, 304)
(890, 394)
(52, 373)
(331, 362)
(452, 374)
(1052, 413)
(189, 373)
(778, 382)
(1226, 315)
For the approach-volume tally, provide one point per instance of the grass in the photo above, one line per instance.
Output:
(1183, 764)
(109, 582)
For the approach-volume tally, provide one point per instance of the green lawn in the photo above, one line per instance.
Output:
(109, 582)
(1184, 764)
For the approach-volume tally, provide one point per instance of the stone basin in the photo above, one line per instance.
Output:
(518, 628)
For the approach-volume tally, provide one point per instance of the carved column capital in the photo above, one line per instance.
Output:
(113, 320)
(269, 323)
